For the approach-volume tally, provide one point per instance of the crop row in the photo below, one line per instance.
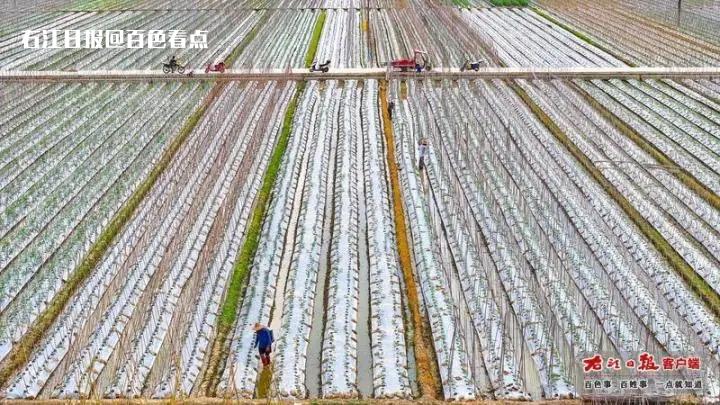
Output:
(281, 42)
(632, 36)
(103, 5)
(450, 350)
(12, 20)
(342, 41)
(707, 88)
(317, 229)
(523, 38)
(441, 32)
(688, 222)
(70, 160)
(482, 322)
(351, 38)
(700, 18)
(679, 121)
(423, 116)
(119, 5)
(143, 321)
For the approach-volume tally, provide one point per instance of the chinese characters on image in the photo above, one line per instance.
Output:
(112, 39)
(644, 374)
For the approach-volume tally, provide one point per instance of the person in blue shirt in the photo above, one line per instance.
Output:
(263, 341)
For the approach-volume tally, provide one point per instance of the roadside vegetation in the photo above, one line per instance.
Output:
(510, 3)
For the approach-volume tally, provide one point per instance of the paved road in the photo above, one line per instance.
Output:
(375, 73)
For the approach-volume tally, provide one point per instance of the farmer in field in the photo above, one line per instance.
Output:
(423, 150)
(263, 341)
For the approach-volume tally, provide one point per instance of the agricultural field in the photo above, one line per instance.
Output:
(394, 33)
(523, 38)
(454, 236)
(697, 17)
(633, 36)
(342, 40)
(142, 322)
(282, 41)
(72, 155)
(327, 247)
(518, 216)
(364, 35)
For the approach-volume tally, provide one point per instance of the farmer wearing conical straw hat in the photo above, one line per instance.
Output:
(263, 341)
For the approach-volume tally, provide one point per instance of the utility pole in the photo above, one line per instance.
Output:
(678, 13)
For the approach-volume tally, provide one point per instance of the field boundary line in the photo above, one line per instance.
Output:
(683, 175)
(691, 278)
(427, 369)
(20, 353)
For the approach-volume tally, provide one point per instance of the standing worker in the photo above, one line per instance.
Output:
(422, 153)
(263, 341)
(391, 107)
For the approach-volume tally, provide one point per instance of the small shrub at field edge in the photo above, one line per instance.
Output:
(509, 3)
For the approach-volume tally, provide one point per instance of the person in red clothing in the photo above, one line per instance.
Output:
(263, 341)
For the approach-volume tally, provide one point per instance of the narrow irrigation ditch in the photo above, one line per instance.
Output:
(693, 279)
(427, 369)
(364, 345)
(21, 352)
(364, 341)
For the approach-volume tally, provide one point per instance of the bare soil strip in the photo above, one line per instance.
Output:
(428, 375)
